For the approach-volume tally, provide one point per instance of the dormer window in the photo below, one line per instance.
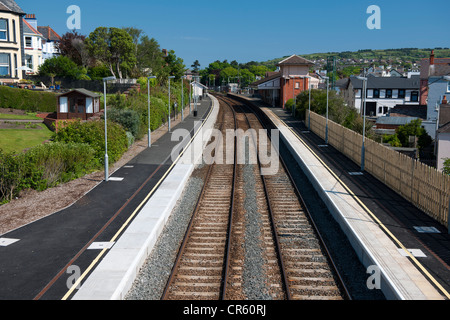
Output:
(3, 30)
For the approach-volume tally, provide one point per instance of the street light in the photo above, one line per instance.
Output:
(363, 109)
(149, 128)
(309, 106)
(105, 80)
(171, 77)
(326, 130)
(182, 97)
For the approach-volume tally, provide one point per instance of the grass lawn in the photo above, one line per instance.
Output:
(30, 116)
(16, 140)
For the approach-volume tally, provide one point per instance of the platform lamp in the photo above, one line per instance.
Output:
(309, 104)
(363, 109)
(326, 130)
(171, 77)
(105, 80)
(182, 97)
(149, 127)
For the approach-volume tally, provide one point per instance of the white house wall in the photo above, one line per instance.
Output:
(443, 149)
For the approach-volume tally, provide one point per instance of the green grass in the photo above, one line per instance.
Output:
(17, 140)
(30, 116)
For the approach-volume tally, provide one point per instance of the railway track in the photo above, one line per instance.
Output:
(243, 219)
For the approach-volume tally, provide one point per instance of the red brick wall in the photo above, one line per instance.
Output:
(288, 90)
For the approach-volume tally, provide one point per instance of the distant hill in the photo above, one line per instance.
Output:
(389, 56)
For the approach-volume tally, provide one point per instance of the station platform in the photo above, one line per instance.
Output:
(409, 248)
(92, 249)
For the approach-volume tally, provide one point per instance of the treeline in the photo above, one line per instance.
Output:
(119, 52)
(220, 73)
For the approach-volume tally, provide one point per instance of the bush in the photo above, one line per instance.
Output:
(43, 167)
(93, 134)
(28, 100)
(128, 119)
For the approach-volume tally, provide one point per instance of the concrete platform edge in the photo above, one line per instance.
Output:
(115, 274)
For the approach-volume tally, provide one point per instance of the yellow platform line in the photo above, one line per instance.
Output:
(418, 264)
(125, 225)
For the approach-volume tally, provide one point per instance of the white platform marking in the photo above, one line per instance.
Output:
(128, 167)
(4, 242)
(415, 252)
(116, 179)
(356, 173)
(323, 146)
(101, 245)
(427, 230)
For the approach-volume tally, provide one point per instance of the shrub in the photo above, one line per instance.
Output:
(43, 167)
(93, 134)
(128, 119)
(28, 100)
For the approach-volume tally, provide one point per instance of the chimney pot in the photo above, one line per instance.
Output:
(432, 58)
(444, 100)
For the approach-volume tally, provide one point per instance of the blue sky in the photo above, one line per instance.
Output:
(258, 30)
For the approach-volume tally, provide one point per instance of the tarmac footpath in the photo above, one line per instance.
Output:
(43, 260)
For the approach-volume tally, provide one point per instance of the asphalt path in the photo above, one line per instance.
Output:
(50, 252)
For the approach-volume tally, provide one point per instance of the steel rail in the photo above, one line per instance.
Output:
(181, 251)
(303, 203)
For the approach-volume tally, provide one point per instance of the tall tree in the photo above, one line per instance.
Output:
(195, 66)
(114, 47)
(71, 46)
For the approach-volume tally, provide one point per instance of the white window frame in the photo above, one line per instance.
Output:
(31, 42)
(8, 65)
(5, 30)
(448, 86)
(63, 105)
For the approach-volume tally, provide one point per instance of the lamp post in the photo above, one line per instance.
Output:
(171, 77)
(309, 105)
(182, 97)
(363, 109)
(149, 127)
(105, 80)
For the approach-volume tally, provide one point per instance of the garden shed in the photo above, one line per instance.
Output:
(78, 104)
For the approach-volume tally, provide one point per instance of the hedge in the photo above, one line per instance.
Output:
(28, 100)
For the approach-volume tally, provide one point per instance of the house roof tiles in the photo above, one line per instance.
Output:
(10, 6)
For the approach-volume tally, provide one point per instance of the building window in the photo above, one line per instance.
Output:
(448, 86)
(28, 42)
(297, 85)
(29, 61)
(376, 93)
(401, 94)
(389, 94)
(3, 30)
(4, 65)
(415, 96)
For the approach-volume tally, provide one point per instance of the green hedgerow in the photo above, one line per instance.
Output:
(93, 134)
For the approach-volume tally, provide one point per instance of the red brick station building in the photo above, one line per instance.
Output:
(292, 79)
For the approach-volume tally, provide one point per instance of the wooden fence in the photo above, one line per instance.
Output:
(424, 186)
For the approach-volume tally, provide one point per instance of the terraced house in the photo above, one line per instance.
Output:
(11, 42)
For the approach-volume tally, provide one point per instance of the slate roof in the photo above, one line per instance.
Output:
(444, 119)
(10, 6)
(28, 29)
(49, 34)
(409, 111)
(439, 65)
(269, 78)
(82, 91)
(387, 83)
(295, 60)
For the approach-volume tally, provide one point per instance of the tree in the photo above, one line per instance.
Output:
(414, 128)
(195, 66)
(62, 66)
(175, 65)
(149, 57)
(447, 166)
(70, 47)
(114, 47)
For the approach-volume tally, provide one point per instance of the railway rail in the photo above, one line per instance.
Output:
(211, 261)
